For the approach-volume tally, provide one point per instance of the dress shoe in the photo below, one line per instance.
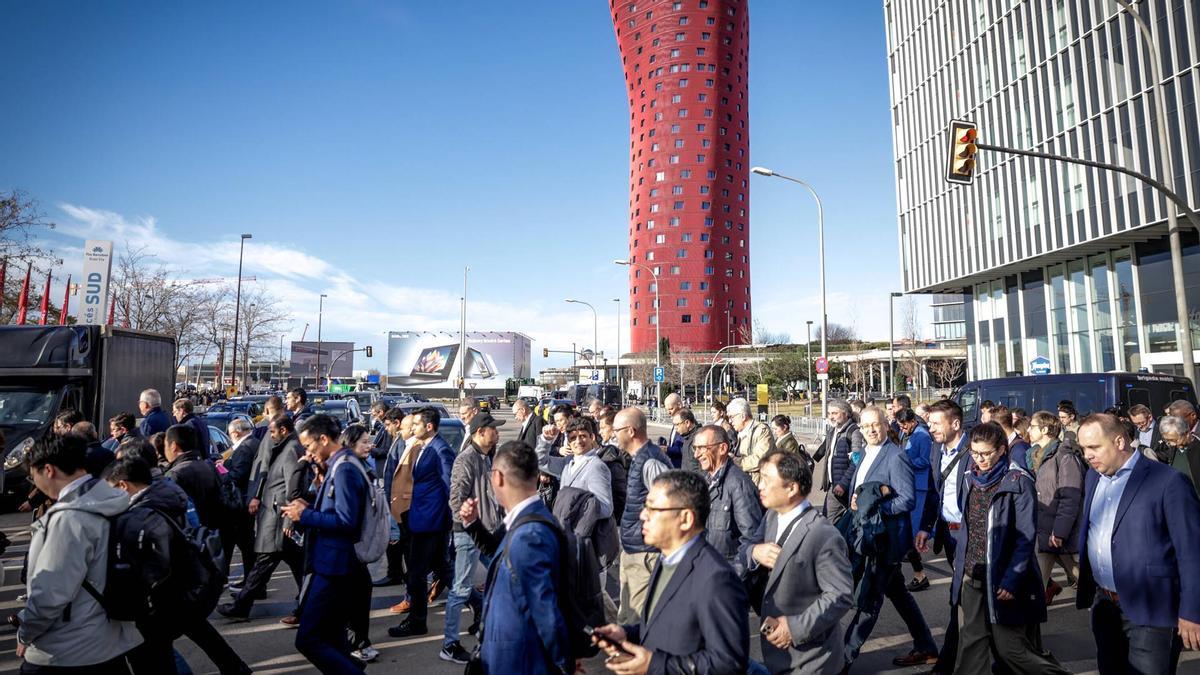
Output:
(435, 589)
(915, 658)
(291, 621)
(401, 607)
(230, 611)
(918, 584)
(408, 628)
(1052, 589)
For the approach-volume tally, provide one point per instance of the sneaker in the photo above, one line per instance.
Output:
(366, 654)
(454, 653)
(918, 585)
(230, 611)
(22, 597)
(401, 607)
(408, 628)
(291, 621)
(915, 658)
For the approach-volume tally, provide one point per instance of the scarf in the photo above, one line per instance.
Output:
(992, 476)
(1043, 453)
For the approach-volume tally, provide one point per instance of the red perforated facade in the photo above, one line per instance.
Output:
(685, 65)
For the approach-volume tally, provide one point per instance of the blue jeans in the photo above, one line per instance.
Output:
(463, 591)
(1122, 647)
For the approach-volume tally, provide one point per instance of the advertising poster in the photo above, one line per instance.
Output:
(304, 359)
(97, 269)
(432, 361)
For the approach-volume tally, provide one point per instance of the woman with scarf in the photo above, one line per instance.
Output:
(1058, 471)
(997, 583)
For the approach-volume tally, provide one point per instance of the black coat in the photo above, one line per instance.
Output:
(241, 461)
(618, 469)
(734, 513)
(144, 527)
(199, 479)
(532, 430)
(688, 461)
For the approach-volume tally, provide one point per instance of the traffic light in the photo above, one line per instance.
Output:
(960, 167)
(545, 352)
(370, 351)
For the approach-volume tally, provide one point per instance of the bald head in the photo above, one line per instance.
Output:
(629, 430)
(672, 403)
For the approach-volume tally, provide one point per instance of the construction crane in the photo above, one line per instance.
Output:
(216, 280)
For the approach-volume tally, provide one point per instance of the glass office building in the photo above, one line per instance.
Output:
(1054, 260)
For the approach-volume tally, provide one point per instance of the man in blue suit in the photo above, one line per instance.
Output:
(523, 628)
(154, 420)
(886, 469)
(331, 526)
(695, 612)
(1139, 546)
(428, 518)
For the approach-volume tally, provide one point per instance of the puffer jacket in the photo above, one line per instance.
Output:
(649, 461)
(62, 624)
(471, 477)
(618, 465)
(839, 445)
(1060, 497)
(734, 513)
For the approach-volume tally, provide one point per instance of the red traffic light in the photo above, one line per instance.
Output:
(960, 165)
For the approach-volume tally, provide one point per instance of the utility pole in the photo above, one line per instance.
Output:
(462, 335)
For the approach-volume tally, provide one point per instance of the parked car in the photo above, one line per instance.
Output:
(253, 409)
(1090, 392)
(221, 442)
(345, 411)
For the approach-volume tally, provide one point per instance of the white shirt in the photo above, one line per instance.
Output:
(678, 554)
(870, 454)
(785, 519)
(72, 486)
(511, 516)
(951, 512)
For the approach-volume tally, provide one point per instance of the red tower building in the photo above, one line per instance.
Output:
(685, 67)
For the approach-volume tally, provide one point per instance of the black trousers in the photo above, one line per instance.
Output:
(427, 551)
(359, 625)
(240, 537)
(948, 657)
(215, 647)
(396, 559)
(264, 566)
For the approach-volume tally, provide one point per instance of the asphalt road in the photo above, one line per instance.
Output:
(268, 646)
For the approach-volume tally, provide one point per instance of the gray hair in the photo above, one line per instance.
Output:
(1175, 427)
(520, 403)
(151, 397)
(874, 410)
(240, 425)
(841, 404)
(738, 406)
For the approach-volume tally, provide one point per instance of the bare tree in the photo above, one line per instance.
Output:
(946, 372)
(23, 230)
(911, 365)
(763, 336)
(839, 333)
(262, 320)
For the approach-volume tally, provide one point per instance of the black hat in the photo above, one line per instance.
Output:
(484, 419)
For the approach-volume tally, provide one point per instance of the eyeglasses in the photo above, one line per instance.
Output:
(705, 446)
(984, 455)
(619, 429)
(655, 509)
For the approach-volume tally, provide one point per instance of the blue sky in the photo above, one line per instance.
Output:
(374, 148)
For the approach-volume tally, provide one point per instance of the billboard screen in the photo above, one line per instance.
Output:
(432, 361)
(304, 359)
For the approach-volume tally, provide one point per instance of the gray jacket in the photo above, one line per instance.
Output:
(811, 587)
(588, 472)
(277, 486)
(471, 477)
(62, 624)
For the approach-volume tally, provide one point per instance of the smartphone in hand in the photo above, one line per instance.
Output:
(605, 643)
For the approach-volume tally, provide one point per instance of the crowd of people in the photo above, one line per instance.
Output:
(695, 530)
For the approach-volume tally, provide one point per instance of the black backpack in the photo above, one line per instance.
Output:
(580, 597)
(197, 572)
(233, 505)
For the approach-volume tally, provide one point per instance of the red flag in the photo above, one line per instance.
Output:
(112, 307)
(23, 301)
(62, 316)
(45, 308)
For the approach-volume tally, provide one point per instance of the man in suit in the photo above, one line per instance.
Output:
(154, 420)
(531, 425)
(332, 526)
(884, 464)
(941, 519)
(274, 488)
(428, 518)
(809, 587)
(239, 466)
(1139, 546)
(523, 629)
(695, 611)
(1147, 427)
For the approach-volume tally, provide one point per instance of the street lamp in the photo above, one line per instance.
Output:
(246, 355)
(892, 338)
(763, 171)
(618, 301)
(595, 329)
(808, 344)
(657, 326)
(237, 308)
(1168, 179)
(320, 318)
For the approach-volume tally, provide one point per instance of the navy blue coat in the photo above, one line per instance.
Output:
(850, 440)
(523, 629)
(931, 514)
(699, 621)
(205, 438)
(1012, 558)
(334, 521)
(1018, 452)
(918, 447)
(1155, 547)
(155, 421)
(430, 511)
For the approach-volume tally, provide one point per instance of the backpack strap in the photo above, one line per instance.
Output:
(518, 596)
